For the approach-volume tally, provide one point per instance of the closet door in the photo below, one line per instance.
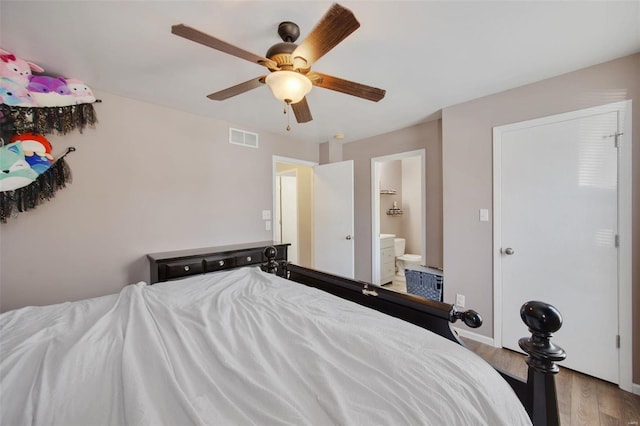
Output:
(558, 234)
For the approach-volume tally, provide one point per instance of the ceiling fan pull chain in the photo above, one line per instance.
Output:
(287, 106)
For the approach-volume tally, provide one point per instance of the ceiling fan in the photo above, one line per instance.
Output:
(290, 77)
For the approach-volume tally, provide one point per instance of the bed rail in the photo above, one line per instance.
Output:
(429, 314)
(537, 393)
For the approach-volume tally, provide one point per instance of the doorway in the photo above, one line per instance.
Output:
(292, 207)
(286, 223)
(324, 208)
(562, 233)
(408, 194)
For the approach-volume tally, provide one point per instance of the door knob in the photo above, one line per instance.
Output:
(348, 237)
(508, 251)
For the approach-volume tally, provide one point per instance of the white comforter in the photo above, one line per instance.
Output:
(235, 348)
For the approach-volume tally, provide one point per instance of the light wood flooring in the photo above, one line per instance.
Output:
(582, 400)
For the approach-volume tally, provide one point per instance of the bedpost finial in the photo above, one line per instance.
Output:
(543, 320)
(471, 318)
(270, 252)
(540, 317)
(271, 267)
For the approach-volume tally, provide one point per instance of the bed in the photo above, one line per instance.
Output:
(248, 344)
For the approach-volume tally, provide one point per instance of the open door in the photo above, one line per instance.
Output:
(333, 221)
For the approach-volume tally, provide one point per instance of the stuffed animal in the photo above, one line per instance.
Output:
(15, 172)
(16, 69)
(37, 150)
(14, 94)
(81, 91)
(50, 91)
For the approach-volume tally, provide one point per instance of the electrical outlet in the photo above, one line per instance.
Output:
(266, 214)
(460, 300)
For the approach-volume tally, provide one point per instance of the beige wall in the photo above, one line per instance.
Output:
(147, 179)
(330, 152)
(426, 135)
(467, 171)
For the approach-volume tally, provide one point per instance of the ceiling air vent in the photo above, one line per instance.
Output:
(241, 137)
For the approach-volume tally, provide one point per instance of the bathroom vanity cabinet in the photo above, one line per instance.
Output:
(387, 260)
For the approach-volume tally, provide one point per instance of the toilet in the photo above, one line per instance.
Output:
(403, 259)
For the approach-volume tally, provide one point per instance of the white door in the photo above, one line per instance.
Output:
(558, 226)
(333, 238)
(289, 215)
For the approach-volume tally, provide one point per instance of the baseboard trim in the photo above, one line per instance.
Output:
(635, 388)
(475, 336)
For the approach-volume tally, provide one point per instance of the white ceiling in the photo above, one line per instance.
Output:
(427, 55)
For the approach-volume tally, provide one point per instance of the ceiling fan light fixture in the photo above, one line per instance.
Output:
(288, 86)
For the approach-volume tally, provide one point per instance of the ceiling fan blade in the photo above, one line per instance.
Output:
(215, 43)
(302, 111)
(237, 89)
(334, 27)
(345, 86)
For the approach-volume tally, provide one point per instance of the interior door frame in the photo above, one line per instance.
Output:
(375, 206)
(625, 354)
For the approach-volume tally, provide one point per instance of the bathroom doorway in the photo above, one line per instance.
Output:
(398, 208)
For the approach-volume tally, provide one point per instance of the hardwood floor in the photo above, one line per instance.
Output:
(582, 399)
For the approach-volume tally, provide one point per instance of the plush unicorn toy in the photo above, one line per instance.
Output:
(16, 69)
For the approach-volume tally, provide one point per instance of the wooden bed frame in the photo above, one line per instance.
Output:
(537, 393)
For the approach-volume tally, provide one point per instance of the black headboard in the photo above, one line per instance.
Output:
(182, 263)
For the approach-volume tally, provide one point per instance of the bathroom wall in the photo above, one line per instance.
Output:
(390, 174)
(412, 205)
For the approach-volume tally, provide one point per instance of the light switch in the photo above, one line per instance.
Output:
(267, 225)
(484, 215)
(266, 214)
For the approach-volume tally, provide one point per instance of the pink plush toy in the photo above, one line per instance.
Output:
(81, 91)
(16, 69)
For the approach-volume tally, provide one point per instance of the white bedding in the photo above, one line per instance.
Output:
(235, 348)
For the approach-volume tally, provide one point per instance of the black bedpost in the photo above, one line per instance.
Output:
(271, 266)
(541, 399)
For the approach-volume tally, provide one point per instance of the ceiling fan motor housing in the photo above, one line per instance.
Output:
(280, 53)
